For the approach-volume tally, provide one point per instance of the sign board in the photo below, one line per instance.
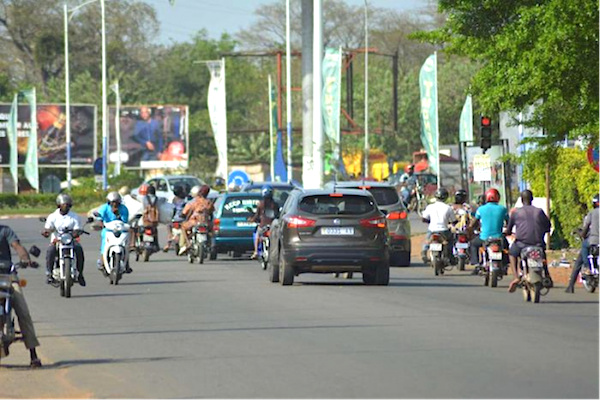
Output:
(592, 156)
(482, 168)
(238, 178)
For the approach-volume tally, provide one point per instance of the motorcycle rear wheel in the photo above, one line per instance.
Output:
(68, 282)
(494, 280)
(589, 286)
(461, 264)
(202, 254)
(535, 292)
(145, 255)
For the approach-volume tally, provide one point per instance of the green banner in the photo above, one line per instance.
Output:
(429, 115)
(31, 161)
(12, 139)
(465, 129)
(331, 99)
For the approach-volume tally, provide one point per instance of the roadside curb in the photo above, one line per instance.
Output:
(22, 216)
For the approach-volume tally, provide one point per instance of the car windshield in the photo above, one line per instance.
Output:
(384, 196)
(340, 204)
(187, 181)
(238, 207)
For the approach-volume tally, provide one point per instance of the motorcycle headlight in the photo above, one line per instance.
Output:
(117, 233)
(66, 238)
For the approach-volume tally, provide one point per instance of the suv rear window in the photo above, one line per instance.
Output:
(343, 205)
(236, 207)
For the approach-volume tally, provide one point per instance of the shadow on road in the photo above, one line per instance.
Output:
(160, 282)
(569, 302)
(109, 294)
(95, 361)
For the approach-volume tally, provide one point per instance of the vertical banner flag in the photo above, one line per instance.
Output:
(217, 110)
(429, 131)
(280, 170)
(31, 160)
(272, 123)
(115, 88)
(465, 129)
(331, 98)
(12, 136)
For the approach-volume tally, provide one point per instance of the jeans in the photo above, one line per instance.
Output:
(24, 317)
(582, 258)
(52, 251)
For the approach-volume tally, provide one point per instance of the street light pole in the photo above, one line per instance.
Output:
(288, 89)
(67, 98)
(366, 161)
(104, 113)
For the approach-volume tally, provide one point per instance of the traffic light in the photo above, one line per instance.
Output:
(485, 133)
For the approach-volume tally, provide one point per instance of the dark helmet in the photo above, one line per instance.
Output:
(267, 192)
(179, 191)
(460, 196)
(151, 190)
(481, 199)
(64, 198)
(595, 200)
(204, 191)
(441, 194)
(492, 195)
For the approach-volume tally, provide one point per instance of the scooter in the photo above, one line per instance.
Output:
(115, 257)
(8, 277)
(199, 244)
(493, 266)
(533, 280)
(65, 271)
(589, 273)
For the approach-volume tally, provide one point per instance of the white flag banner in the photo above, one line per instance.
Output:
(217, 111)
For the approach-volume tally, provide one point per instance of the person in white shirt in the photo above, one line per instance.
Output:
(61, 219)
(439, 216)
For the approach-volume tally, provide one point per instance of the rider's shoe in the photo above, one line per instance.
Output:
(81, 280)
(99, 265)
(254, 256)
(182, 250)
(50, 280)
(513, 285)
(35, 363)
(570, 289)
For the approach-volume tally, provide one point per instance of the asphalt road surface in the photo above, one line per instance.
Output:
(221, 330)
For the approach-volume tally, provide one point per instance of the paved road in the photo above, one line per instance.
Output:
(220, 330)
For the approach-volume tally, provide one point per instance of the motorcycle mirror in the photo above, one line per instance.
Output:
(34, 251)
(42, 219)
(96, 214)
(90, 219)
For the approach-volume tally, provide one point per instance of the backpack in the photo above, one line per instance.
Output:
(151, 214)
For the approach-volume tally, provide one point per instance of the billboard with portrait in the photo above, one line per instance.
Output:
(51, 138)
(152, 137)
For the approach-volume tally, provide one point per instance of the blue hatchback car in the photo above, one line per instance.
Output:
(232, 232)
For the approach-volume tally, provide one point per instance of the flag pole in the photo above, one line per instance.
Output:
(271, 130)
(437, 124)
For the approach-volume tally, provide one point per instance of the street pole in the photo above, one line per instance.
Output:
(437, 124)
(307, 94)
(317, 181)
(288, 89)
(272, 153)
(104, 106)
(118, 128)
(366, 167)
(67, 97)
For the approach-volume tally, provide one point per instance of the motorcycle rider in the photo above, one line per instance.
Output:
(134, 207)
(463, 212)
(439, 216)
(108, 212)
(197, 211)
(491, 217)
(63, 218)
(151, 201)
(179, 201)
(409, 181)
(590, 231)
(531, 224)
(267, 203)
(8, 239)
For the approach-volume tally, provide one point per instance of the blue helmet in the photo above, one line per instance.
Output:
(267, 191)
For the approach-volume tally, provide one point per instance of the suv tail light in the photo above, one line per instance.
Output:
(216, 225)
(299, 222)
(397, 215)
(375, 222)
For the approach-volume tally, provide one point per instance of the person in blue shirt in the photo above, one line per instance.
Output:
(148, 135)
(491, 216)
(111, 211)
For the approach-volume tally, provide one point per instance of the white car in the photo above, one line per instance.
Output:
(165, 184)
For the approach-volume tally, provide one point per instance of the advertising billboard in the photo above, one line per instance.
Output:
(494, 171)
(51, 134)
(152, 137)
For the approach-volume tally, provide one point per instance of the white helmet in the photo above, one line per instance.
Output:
(194, 191)
(113, 196)
(63, 198)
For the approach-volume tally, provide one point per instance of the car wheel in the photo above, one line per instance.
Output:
(286, 272)
(369, 276)
(382, 274)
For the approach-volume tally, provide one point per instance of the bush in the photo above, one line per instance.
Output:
(573, 183)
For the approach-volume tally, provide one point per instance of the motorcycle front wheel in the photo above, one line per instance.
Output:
(114, 274)
(68, 282)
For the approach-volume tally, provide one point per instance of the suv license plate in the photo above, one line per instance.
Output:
(337, 231)
(435, 247)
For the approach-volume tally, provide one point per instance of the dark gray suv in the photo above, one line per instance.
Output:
(329, 231)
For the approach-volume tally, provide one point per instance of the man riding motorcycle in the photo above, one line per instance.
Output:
(267, 203)
(63, 218)
(409, 181)
(439, 216)
(491, 217)
(150, 203)
(111, 211)
(531, 224)
(8, 238)
(197, 211)
(590, 232)
(179, 201)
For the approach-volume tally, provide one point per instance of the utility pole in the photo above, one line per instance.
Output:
(307, 92)
(317, 180)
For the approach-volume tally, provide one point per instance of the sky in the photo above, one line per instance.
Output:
(179, 22)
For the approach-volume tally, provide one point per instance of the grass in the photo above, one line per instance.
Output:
(41, 211)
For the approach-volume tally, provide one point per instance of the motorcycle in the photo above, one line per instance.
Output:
(145, 242)
(115, 257)
(263, 245)
(438, 253)
(589, 272)
(65, 271)
(533, 280)
(493, 266)
(8, 276)
(461, 249)
(199, 244)
(175, 235)
(416, 201)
